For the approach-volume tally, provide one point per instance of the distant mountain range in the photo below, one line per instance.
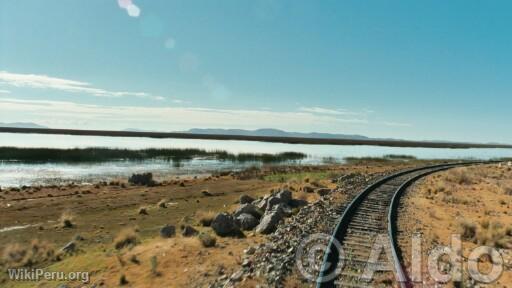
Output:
(21, 125)
(265, 132)
(268, 132)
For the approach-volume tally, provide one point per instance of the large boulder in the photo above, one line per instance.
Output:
(281, 197)
(248, 209)
(285, 195)
(246, 199)
(270, 219)
(247, 221)
(260, 203)
(224, 225)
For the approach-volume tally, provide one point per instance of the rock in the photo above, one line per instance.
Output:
(145, 179)
(250, 250)
(206, 193)
(223, 224)
(248, 209)
(69, 248)
(247, 221)
(168, 231)
(246, 263)
(260, 204)
(143, 211)
(79, 238)
(270, 219)
(285, 195)
(323, 191)
(189, 231)
(246, 199)
(237, 276)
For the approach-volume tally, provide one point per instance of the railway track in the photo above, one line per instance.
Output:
(370, 215)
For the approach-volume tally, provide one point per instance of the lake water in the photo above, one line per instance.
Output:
(18, 174)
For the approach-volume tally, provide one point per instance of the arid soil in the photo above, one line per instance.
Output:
(473, 202)
(97, 213)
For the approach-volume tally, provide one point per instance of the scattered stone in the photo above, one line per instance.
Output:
(189, 231)
(162, 204)
(145, 179)
(248, 209)
(323, 191)
(69, 248)
(270, 219)
(143, 211)
(223, 224)
(206, 193)
(246, 221)
(168, 231)
(285, 196)
(250, 250)
(246, 199)
(237, 276)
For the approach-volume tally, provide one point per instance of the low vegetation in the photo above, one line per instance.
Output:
(66, 219)
(126, 238)
(207, 240)
(106, 154)
(383, 159)
(17, 255)
(205, 218)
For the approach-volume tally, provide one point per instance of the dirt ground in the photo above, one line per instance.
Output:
(473, 202)
(98, 212)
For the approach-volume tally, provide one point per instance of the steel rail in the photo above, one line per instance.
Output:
(331, 256)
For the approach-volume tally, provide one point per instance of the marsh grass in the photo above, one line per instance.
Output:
(107, 154)
(384, 159)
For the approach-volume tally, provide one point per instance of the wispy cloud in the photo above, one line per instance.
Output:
(320, 110)
(47, 82)
(5, 92)
(397, 124)
(166, 118)
(132, 9)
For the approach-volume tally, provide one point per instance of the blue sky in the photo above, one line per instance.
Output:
(402, 69)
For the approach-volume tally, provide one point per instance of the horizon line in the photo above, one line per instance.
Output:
(271, 139)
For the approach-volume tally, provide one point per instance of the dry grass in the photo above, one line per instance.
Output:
(489, 233)
(143, 210)
(205, 218)
(459, 176)
(207, 240)
(467, 230)
(17, 255)
(126, 238)
(66, 219)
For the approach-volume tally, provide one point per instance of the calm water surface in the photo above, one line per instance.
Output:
(18, 174)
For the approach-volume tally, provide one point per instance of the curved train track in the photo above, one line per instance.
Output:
(370, 215)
